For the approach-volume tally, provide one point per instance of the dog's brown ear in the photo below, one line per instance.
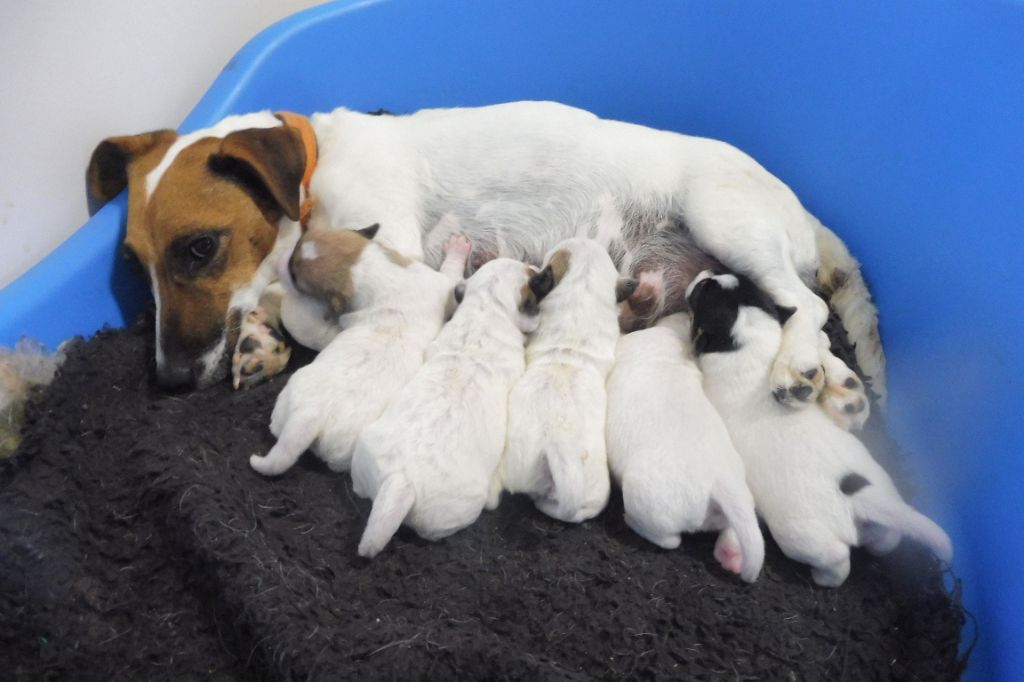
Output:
(624, 288)
(276, 157)
(107, 173)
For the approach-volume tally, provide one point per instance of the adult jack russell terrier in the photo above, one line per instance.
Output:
(556, 447)
(431, 459)
(210, 211)
(817, 487)
(670, 452)
(389, 308)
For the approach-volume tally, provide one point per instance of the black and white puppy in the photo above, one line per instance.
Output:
(816, 486)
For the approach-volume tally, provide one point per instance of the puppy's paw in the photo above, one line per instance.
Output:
(844, 399)
(796, 382)
(261, 352)
(457, 245)
(728, 552)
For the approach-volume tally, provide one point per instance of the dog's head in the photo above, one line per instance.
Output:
(203, 215)
(726, 308)
(581, 263)
(331, 266)
(510, 283)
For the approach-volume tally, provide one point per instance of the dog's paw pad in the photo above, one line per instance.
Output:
(799, 388)
(261, 352)
(845, 400)
(458, 245)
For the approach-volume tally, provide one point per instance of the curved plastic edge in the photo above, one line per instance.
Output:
(86, 303)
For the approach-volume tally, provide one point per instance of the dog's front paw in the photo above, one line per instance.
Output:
(844, 398)
(261, 352)
(797, 383)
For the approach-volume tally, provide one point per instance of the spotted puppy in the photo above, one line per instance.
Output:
(556, 449)
(670, 452)
(817, 486)
(390, 309)
(431, 459)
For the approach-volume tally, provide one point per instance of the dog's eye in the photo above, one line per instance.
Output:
(201, 248)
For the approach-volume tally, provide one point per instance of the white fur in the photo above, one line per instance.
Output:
(670, 452)
(796, 460)
(502, 171)
(395, 313)
(431, 459)
(556, 447)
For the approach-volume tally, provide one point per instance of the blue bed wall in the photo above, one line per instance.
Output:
(901, 125)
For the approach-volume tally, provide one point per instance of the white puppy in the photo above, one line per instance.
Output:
(556, 449)
(431, 459)
(817, 486)
(390, 309)
(670, 452)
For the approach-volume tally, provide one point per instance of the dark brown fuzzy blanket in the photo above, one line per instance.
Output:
(136, 543)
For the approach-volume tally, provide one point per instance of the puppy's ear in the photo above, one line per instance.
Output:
(696, 292)
(369, 232)
(624, 288)
(107, 173)
(275, 157)
(784, 313)
(459, 292)
(542, 283)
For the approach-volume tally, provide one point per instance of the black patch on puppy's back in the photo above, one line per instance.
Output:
(715, 309)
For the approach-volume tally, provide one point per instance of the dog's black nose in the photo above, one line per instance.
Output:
(174, 376)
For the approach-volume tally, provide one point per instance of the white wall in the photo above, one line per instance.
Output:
(74, 73)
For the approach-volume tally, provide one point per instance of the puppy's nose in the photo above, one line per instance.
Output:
(174, 376)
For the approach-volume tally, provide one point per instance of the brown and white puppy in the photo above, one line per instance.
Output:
(389, 310)
(207, 209)
(556, 441)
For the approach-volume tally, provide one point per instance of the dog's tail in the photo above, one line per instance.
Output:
(295, 437)
(872, 504)
(737, 504)
(390, 507)
(568, 486)
(843, 286)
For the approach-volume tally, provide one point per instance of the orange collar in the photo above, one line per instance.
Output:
(305, 130)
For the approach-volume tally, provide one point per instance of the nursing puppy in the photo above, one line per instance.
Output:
(556, 449)
(670, 452)
(389, 308)
(431, 459)
(817, 487)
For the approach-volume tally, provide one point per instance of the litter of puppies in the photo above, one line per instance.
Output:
(492, 410)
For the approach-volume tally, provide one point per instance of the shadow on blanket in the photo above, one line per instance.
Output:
(136, 543)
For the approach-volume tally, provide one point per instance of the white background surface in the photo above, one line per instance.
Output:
(74, 73)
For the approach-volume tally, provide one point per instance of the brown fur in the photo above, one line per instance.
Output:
(328, 277)
(237, 187)
(559, 264)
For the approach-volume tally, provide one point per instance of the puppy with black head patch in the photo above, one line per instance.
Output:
(431, 459)
(817, 487)
(556, 447)
(389, 308)
(670, 452)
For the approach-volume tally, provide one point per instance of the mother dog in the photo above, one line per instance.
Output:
(210, 212)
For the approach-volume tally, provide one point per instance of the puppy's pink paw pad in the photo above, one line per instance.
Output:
(457, 245)
(729, 555)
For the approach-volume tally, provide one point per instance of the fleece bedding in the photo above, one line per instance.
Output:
(136, 543)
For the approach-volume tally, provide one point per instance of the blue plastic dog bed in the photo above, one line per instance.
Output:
(900, 125)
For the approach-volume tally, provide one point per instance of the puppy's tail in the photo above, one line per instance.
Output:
(295, 437)
(390, 507)
(843, 286)
(568, 487)
(737, 504)
(874, 505)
